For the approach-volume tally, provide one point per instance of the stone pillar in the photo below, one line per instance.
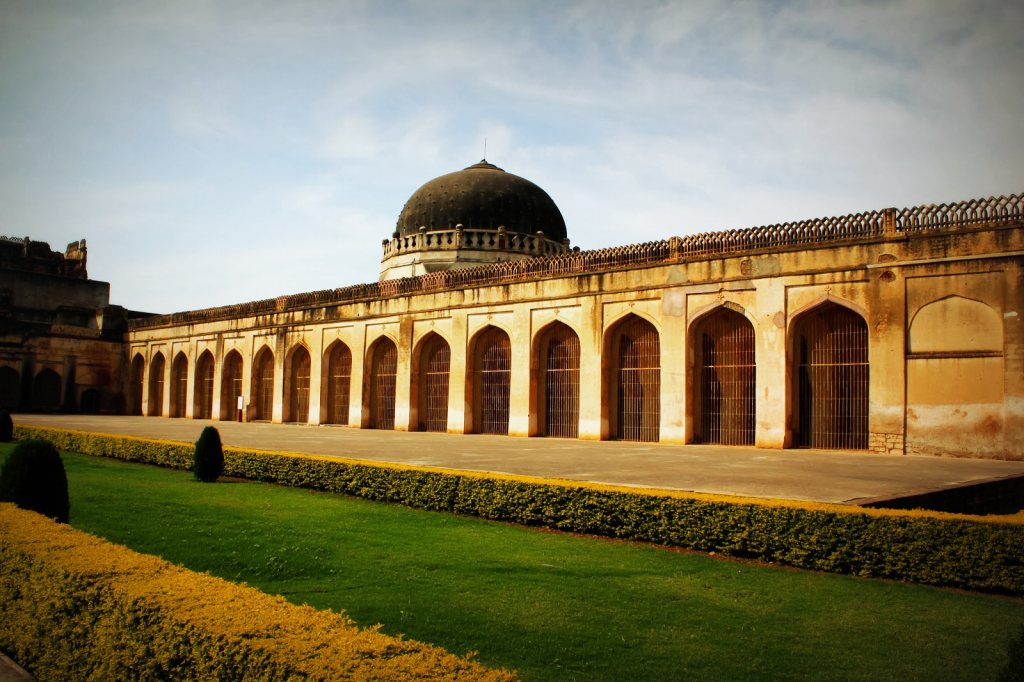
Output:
(773, 384)
(190, 384)
(165, 409)
(887, 343)
(519, 418)
(590, 368)
(673, 427)
(358, 415)
(403, 379)
(280, 350)
(457, 405)
(315, 342)
(218, 377)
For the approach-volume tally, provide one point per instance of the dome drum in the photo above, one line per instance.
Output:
(423, 251)
(473, 217)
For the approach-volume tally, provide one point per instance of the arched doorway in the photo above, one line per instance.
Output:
(90, 401)
(231, 388)
(263, 385)
(10, 385)
(339, 383)
(832, 378)
(636, 375)
(298, 394)
(559, 384)
(203, 408)
(135, 387)
(432, 389)
(726, 401)
(179, 385)
(46, 390)
(492, 378)
(156, 385)
(383, 377)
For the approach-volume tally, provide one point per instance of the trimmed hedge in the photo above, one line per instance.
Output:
(73, 606)
(934, 548)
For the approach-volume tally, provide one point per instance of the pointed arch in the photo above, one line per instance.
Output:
(263, 385)
(383, 376)
(203, 391)
(10, 387)
(179, 384)
(633, 350)
(156, 385)
(556, 382)
(831, 380)
(489, 382)
(297, 374)
(337, 389)
(231, 387)
(955, 324)
(430, 376)
(46, 390)
(138, 371)
(725, 377)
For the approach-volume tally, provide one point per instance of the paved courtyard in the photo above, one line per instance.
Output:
(824, 476)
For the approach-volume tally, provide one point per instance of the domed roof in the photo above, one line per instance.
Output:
(482, 197)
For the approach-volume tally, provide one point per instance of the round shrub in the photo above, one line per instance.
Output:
(6, 427)
(33, 478)
(209, 458)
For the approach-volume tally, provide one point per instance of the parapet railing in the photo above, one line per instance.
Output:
(476, 240)
(887, 222)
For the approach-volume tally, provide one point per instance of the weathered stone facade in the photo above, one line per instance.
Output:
(61, 342)
(896, 331)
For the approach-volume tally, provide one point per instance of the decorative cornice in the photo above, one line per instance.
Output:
(888, 222)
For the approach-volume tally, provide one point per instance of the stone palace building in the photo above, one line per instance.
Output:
(893, 331)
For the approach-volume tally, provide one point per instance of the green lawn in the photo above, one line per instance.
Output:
(550, 606)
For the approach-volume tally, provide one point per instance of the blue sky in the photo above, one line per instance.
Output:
(219, 151)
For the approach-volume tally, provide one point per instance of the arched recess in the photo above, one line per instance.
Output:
(725, 377)
(263, 385)
(831, 378)
(955, 324)
(90, 401)
(956, 376)
(179, 385)
(46, 390)
(297, 372)
(430, 390)
(156, 385)
(231, 386)
(203, 408)
(10, 387)
(557, 381)
(383, 376)
(338, 386)
(633, 349)
(138, 371)
(490, 380)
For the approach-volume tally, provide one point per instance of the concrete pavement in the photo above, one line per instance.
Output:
(817, 475)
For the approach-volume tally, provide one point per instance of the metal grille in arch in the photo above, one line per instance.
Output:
(299, 407)
(832, 379)
(434, 369)
(265, 387)
(385, 371)
(180, 386)
(727, 381)
(638, 381)
(562, 383)
(204, 387)
(232, 388)
(495, 368)
(339, 384)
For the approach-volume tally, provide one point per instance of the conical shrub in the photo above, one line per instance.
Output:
(209, 457)
(6, 427)
(33, 478)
